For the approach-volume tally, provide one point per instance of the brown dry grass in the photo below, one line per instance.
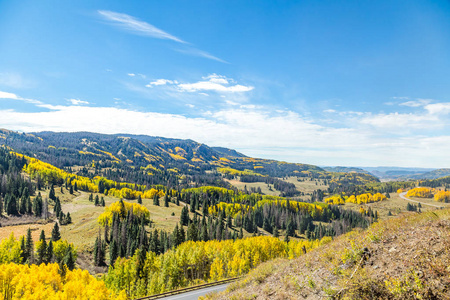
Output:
(20, 230)
(407, 258)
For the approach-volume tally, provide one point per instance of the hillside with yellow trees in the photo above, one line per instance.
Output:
(130, 216)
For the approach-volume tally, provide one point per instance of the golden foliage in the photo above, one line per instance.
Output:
(46, 282)
(420, 192)
(235, 172)
(122, 208)
(442, 196)
(211, 260)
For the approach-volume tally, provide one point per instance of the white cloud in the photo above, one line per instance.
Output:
(329, 111)
(213, 82)
(263, 131)
(229, 102)
(396, 121)
(438, 108)
(161, 82)
(137, 26)
(131, 74)
(216, 83)
(416, 103)
(77, 102)
(6, 95)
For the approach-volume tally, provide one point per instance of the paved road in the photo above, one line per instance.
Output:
(197, 293)
(402, 195)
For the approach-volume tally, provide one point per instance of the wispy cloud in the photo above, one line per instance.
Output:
(416, 103)
(161, 82)
(15, 80)
(137, 26)
(77, 102)
(200, 53)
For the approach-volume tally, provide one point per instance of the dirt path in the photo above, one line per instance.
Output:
(402, 195)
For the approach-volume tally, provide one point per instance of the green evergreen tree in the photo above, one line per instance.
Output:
(56, 235)
(51, 194)
(276, 233)
(139, 200)
(166, 200)
(49, 257)
(29, 247)
(41, 251)
(113, 252)
(69, 260)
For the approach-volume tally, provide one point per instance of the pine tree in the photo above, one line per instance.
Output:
(29, 247)
(41, 250)
(192, 232)
(176, 236)
(276, 233)
(56, 235)
(184, 216)
(156, 200)
(113, 252)
(96, 246)
(24, 253)
(49, 257)
(103, 201)
(69, 260)
(166, 200)
(286, 237)
(192, 205)
(11, 205)
(181, 234)
(96, 202)
(37, 205)
(68, 218)
(71, 190)
(204, 233)
(51, 194)
(139, 200)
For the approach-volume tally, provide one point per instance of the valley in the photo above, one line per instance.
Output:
(198, 199)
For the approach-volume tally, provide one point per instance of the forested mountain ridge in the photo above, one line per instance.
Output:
(140, 151)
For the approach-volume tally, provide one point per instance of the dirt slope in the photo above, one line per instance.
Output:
(407, 257)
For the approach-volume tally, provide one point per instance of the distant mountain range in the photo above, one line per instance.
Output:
(157, 154)
(395, 173)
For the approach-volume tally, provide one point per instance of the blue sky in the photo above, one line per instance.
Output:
(355, 83)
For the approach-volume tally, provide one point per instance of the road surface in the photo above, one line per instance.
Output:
(402, 195)
(197, 293)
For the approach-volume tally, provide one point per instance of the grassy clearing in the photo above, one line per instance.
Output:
(20, 230)
(264, 188)
(305, 186)
(84, 228)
